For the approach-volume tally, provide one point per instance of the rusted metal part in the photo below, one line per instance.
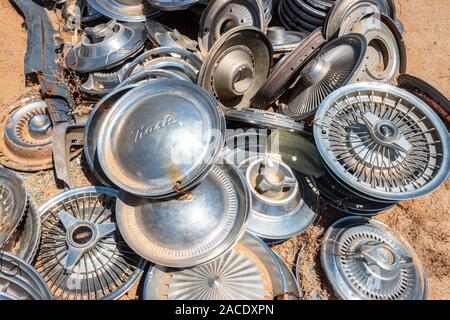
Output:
(66, 137)
(426, 92)
(284, 74)
(43, 52)
(42, 61)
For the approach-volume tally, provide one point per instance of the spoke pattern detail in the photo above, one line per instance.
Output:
(403, 165)
(106, 270)
(329, 71)
(367, 278)
(237, 275)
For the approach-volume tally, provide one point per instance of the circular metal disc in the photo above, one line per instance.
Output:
(386, 53)
(363, 260)
(100, 84)
(82, 255)
(284, 41)
(20, 281)
(191, 229)
(146, 60)
(13, 201)
(344, 8)
(332, 68)
(358, 12)
(124, 10)
(25, 240)
(162, 36)
(250, 271)
(282, 204)
(382, 141)
(237, 66)
(157, 142)
(26, 136)
(221, 16)
(98, 115)
(105, 46)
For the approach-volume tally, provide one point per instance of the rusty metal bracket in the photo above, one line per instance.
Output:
(43, 53)
(66, 135)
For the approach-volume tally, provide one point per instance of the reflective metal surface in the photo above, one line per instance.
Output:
(285, 72)
(100, 84)
(350, 10)
(363, 260)
(191, 229)
(284, 41)
(251, 271)
(162, 36)
(92, 132)
(106, 45)
(293, 289)
(298, 152)
(332, 68)
(13, 201)
(264, 119)
(267, 8)
(167, 58)
(125, 10)
(82, 255)
(282, 205)
(30, 126)
(157, 142)
(221, 16)
(25, 240)
(237, 66)
(386, 54)
(20, 281)
(382, 141)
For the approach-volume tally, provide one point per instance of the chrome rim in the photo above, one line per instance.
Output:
(82, 255)
(382, 141)
(364, 260)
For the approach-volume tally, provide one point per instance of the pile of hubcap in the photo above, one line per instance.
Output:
(320, 129)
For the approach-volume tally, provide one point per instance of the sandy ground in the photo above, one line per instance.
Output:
(424, 222)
